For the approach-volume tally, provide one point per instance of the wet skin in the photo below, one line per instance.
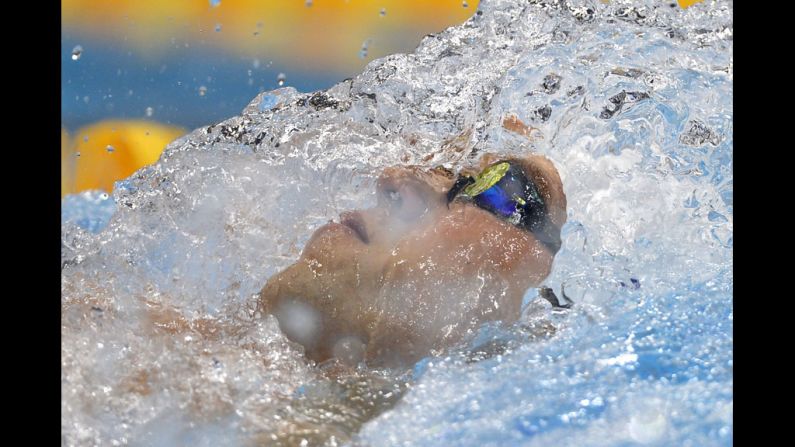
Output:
(391, 284)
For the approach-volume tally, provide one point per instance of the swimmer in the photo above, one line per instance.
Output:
(439, 255)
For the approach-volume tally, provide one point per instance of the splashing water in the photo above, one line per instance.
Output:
(631, 100)
(77, 51)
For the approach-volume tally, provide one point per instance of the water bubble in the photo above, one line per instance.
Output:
(149, 111)
(202, 90)
(110, 149)
(308, 3)
(215, 3)
(85, 138)
(218, 28)
(255, 63)
(383, 12)
(281, 79)
(77, 51)
(465, 4)
(86, 99)
(77, 154)
(103, 196)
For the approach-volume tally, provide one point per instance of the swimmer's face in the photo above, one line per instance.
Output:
(389, 284)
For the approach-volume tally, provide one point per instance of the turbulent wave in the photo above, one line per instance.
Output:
(632, 100)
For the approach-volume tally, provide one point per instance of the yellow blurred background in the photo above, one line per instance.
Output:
(328, 40)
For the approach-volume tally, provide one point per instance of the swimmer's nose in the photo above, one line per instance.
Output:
(356, 221)
(407, 192)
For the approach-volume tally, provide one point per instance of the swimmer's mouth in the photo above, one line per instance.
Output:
(354, 221)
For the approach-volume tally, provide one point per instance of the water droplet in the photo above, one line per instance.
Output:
(383, 12)
(363, 51)
(308, 3)
(103, 196)
(77, 154)
(215, 3)
(465, 4)
(149, 111)
(202, 90)
(218, 28)
(77, 51)
(281, 79)
(110, 149)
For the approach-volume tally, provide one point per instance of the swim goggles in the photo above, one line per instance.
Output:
(504, 190)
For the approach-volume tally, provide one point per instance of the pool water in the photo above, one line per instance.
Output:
(632, 100)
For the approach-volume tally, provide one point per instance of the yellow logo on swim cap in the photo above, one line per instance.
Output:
(488, 178)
